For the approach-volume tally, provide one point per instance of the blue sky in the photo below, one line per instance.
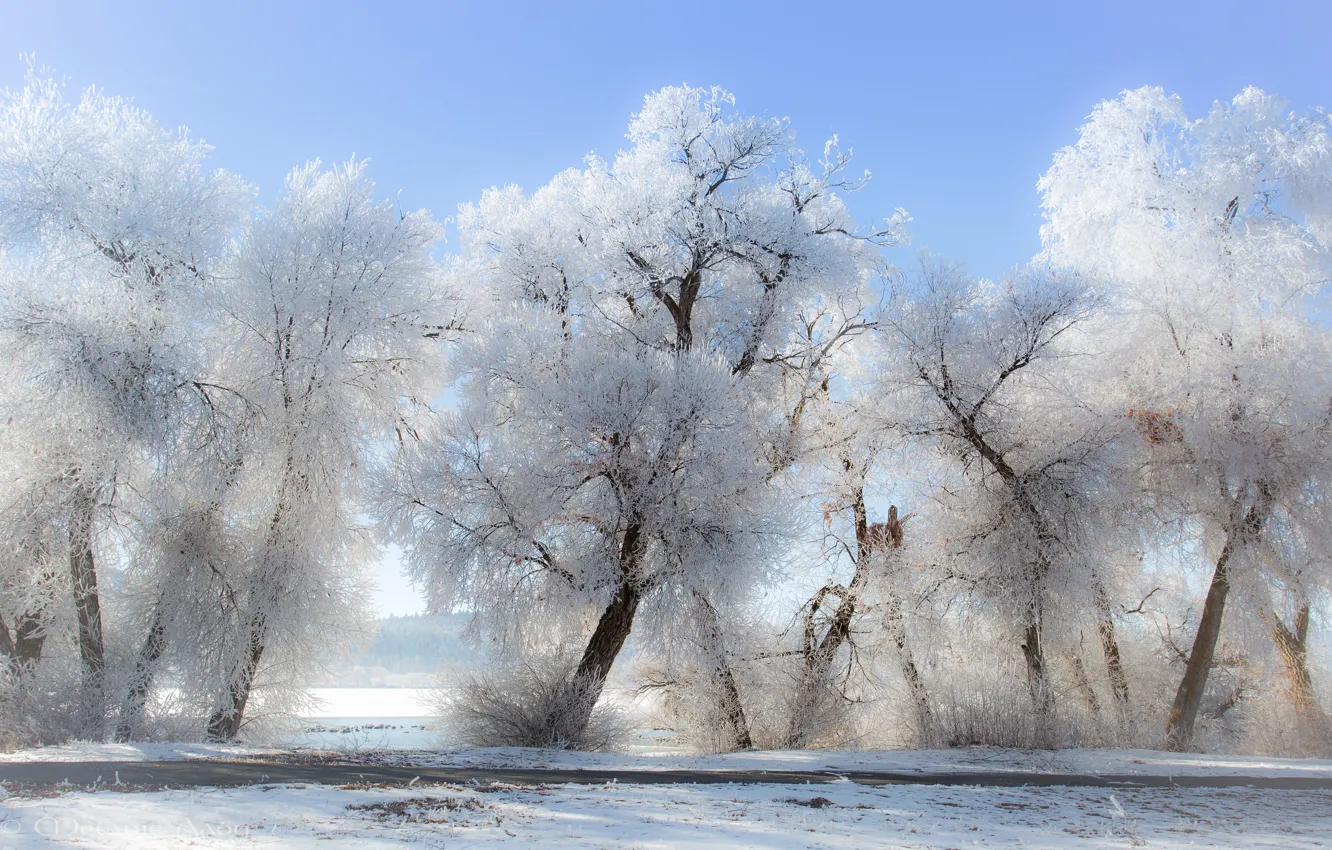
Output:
(955, 107)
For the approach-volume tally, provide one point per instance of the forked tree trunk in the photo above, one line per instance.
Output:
(732, 708)
(817, 663)
(1184, 710)
(1292, 646)
(819, 653)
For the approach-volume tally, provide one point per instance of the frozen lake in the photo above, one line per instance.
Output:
(357, 719)
(368, 719)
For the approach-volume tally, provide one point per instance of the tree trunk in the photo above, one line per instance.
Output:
(87, 608)
(896, 625)
(1184, 710)
(1114, 664)
(1083, 682)
(6, 641)
(23, 647)
(1292, 646)
(1038, 682)
(225, 722)
(732, 709)
(1105, 629)
(820, 653)
(136, 697)
(819, 656)
(612, 630)
(1032, 651)
(29, 638)
(83, 574)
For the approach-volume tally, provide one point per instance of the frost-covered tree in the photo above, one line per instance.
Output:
(109, 226)
(977, 373)
(329, 318)
(640, 338)
(829, 619)
(1211, 234)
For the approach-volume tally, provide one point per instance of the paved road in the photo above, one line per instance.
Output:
(235, 773)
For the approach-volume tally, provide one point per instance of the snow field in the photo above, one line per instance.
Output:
(842, 815)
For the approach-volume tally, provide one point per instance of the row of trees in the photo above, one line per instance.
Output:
(191, 388)
(681, 384)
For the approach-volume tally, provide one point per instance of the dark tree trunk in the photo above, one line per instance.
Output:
(1184, 710)
(141, 683)
(818, 659)
(83, 576)
(608, 638)
(612, 630)
(225, 723)
(23, 647)
(1032, 649)
(29, 638)
(87, 608)
(227, 719)
(6, 640)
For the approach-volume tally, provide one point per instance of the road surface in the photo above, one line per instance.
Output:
(231, 773)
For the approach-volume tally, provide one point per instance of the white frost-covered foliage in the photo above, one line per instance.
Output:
(612, 438)
(323, 344)
(985, 377)
(110, 226)
(668, 394)
(191, 393)
(1212, 236)
(637, 335)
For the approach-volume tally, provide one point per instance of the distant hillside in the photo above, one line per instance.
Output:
(406, 652)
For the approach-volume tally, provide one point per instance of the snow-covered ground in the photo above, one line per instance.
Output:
(842, 815)
(390, 726)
